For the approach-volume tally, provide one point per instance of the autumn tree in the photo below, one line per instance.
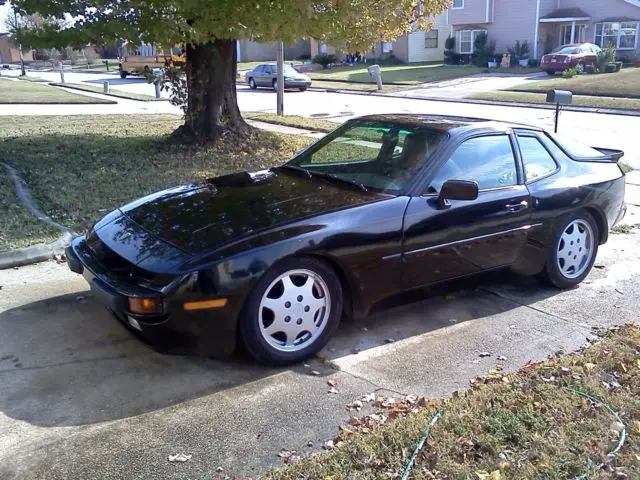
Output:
(209, 29)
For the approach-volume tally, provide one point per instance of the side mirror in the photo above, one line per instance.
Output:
(457, 190)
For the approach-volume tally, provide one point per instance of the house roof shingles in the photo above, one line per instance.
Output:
(573, 12)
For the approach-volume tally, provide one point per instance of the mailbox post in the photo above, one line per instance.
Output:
(559, 97)
(376, 74)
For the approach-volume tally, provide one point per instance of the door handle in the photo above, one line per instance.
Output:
(514, 207)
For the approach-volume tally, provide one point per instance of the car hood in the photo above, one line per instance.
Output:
(200, 218)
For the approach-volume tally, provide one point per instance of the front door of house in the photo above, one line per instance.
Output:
(578, 33)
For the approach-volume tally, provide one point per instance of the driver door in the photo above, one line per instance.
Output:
(465, 237)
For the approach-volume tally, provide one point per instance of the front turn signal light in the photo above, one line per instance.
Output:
(205, 304)
(143, 305)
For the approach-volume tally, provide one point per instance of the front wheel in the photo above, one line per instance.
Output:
(252, 84)
(274, 84)
(292, 312)
(580, 68)
(303, 89)
(573, 252)
(123, 74)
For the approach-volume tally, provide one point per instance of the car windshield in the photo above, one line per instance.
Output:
(567, 50)
(289, 70)
(381, 156)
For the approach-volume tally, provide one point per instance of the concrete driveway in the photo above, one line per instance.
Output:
(81, 398)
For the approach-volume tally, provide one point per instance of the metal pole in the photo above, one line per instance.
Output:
(22, 70)
(280, 78)
(557, 115)
(61, 72)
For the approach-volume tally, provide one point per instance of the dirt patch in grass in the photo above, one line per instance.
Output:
(112, 92)
(18, 227)
(314, 124)
(625, 83)
(583, 101)
(80, 167)
(29, 92)
(527, 425)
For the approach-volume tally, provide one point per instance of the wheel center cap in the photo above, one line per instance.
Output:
(297, 310)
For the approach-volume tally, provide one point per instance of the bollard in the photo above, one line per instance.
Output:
(157, 85)
(107, 62)
(105, 86)
(61, 73)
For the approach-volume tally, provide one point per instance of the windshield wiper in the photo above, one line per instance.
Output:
(337, 178)
(304, 171)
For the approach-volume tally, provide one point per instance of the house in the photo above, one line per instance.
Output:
(546, 24)
(10, 52)
(250, 51)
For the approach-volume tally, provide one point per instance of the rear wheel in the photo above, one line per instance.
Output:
(580, 68)
(550, 73)
(252, 84)
(123, 74)
(292, 312)
(274, 84)
(573, 252)
(303, 89)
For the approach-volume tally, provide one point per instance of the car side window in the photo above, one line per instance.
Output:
(488, 160)
(538, 162)
(258, 70)
(268, 70)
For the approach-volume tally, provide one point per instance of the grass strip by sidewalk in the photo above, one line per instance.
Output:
(622, 84)
(411, 74)
(33, 92)
(80, 167)
(112, 92)
(306, 123)
(18, 227)
(359, 86)
(578, 100)
(527, 425)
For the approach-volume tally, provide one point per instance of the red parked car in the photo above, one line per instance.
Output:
(574, 55)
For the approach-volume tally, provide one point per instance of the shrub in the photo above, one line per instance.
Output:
(519, 51)
(483, 50)
(325, 59)
(569, 73)
(450, 56)
(618, 66)
(304, 57)
(450, 43)
(606, 56)
(533, 63)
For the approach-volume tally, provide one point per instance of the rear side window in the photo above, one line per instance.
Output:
(536, 159)
(576, 149)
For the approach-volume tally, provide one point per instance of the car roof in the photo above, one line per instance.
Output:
(446, 123)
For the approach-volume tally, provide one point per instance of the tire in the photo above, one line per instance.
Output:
(259, 322)
(556, 272)
(274, 84)
(580, 68)
(551, 74)
(303, 89)
(252, 84)
(123, 74)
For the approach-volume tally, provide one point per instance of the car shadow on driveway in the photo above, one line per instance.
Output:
(65, 361)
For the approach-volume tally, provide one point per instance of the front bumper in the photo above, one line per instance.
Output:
(175, 330)
(296, 84)
(555, 67)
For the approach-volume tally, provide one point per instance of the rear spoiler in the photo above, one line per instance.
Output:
(610, 156)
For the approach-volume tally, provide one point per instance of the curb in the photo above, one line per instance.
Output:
(114, 95)
(39, 252)
(540, 106)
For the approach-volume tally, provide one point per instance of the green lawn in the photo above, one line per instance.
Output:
(112, 92)
(528, 425)
(583, 101)
(405, 74)
(625, 83)
(18, 227)
(314, 124)
(23, 92)
(79, 167)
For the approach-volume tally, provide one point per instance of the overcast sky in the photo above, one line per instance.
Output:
(4, 11)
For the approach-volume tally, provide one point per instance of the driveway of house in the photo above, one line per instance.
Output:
(82, 398)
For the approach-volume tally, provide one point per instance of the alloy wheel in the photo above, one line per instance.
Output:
(575, 249)
(294, 310)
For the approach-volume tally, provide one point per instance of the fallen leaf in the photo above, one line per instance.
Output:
(484, 354)
(331, 383)
(638, 363)
(219, 469)
(180, 457)
(355, 351)
(332, 390)
(328, 445)
(589, 366)
(315, 372)
(638, 426)
(502, 358)
(346, 430)
(369, 398)
(389, 340)
(284, 453)
(484, 475)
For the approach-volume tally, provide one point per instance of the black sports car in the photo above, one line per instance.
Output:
(384, 204)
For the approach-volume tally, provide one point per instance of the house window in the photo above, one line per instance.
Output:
(387, 47)
(323, 48)
(431, 39)
(565, 34)
(458, 4)
(466, 40)
(623, 35)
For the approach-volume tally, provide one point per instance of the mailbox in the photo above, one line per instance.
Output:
(563, 97)
(374, 71)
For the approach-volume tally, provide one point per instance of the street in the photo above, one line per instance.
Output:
(603, 130)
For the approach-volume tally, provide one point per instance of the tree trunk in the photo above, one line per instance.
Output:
(211, 81)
